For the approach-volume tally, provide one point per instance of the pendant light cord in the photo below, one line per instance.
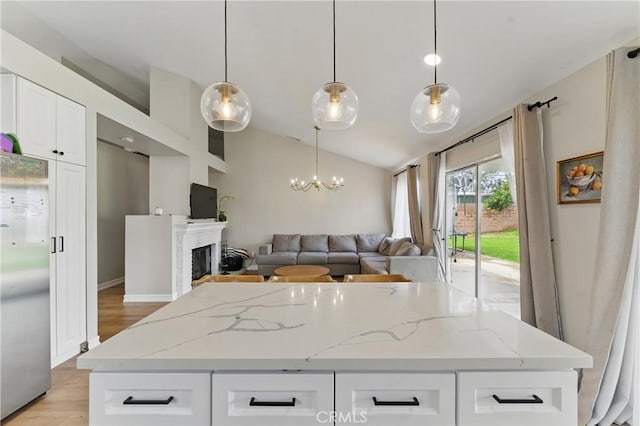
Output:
(334, 41)
(317, 175)
(435, 43)
(225, 41)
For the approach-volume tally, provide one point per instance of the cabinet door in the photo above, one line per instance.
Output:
(71, 259)
(8, 105)
(71, 138)
(36, 119)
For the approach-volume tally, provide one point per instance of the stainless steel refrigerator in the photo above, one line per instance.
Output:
(25, 365)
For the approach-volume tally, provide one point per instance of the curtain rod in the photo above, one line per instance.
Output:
(405, 169)
(494, 126)
(633, 53)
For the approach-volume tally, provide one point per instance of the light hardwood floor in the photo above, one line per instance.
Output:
(67, 402)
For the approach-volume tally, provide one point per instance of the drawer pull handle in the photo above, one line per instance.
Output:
(254, 403)
(131, 401)
(535, 399)
(413, 402)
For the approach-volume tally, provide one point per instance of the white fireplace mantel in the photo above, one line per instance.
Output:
(158, 255)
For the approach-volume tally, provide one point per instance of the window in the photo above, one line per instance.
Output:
(401, 223)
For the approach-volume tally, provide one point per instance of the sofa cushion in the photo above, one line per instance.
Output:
(368, 254)
(370, 267)
(344, 257)
(385, 245)
(343, 243)
(369, 242)
(315, 243)
(395, 246)
(312, 258)
(286, 242)
(278, 258)
(409, 249)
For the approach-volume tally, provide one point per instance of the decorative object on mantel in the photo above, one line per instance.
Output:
(316, 183)
(579, 179)
(222, 215)
(224, 105)
(437, 107)
(335, 105)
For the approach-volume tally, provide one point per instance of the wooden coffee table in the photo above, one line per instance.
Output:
(302, 270)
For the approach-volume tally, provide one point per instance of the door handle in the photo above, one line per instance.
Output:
(55, 151)
(131, 401)
(61, 152)
(254, 403)
(413, 402)
(53, 244)
(61, 243)
(535, 399)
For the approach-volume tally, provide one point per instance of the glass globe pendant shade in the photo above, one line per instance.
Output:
(225, 107)
(436, 109)
(335, 106)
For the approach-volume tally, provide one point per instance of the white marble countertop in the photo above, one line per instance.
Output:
(320, 326)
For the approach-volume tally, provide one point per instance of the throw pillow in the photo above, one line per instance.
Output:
(286, 242)
(408, 249)
(385, 245)
(395, 246)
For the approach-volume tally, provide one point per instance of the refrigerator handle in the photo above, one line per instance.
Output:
(61, 244)
(53, 244)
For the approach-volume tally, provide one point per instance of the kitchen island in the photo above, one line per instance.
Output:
(314, 353)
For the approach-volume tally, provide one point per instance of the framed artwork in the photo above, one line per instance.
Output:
(580, 179)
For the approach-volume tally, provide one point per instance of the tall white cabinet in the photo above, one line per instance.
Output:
(52, 127)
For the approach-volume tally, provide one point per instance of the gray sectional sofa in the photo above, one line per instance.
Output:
(348, 254)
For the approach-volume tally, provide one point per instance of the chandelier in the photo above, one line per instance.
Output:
(336, 183)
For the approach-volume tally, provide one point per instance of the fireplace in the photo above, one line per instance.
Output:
(200, 262)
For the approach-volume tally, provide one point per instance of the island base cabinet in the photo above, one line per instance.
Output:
(395, 399)
(532, 398)
(272, 399)
(150, 399)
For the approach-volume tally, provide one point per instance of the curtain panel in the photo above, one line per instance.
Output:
(415, 213)
(538, 287)
(606, 391)
(436, 191)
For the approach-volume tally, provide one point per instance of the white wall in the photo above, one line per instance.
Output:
(260, 166)
(123, 188)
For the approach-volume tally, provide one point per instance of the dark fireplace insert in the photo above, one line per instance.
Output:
(200, 262)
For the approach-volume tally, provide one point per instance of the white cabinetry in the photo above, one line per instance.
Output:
(525, 398)
(265, 399)
(52, 127)
(67, 260)
(48, 125)
(153, 399)
(389, 399)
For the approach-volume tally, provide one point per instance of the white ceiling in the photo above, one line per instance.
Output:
(495, 53)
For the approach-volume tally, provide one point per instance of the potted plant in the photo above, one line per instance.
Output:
(222, 215)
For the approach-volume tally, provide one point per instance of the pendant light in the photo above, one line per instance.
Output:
(335, 105)
(437, 107)
(224, 105)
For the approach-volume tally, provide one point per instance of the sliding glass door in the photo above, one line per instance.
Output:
(482, 235)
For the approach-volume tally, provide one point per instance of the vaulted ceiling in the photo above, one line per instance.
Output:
(495, 53)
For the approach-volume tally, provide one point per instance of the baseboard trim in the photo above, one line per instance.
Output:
(137, 298)
(111, 283)
(95, 341)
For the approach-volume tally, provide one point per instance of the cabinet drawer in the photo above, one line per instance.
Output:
(525, 398)
(400, 398)
(150, 399)
(278, 398)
